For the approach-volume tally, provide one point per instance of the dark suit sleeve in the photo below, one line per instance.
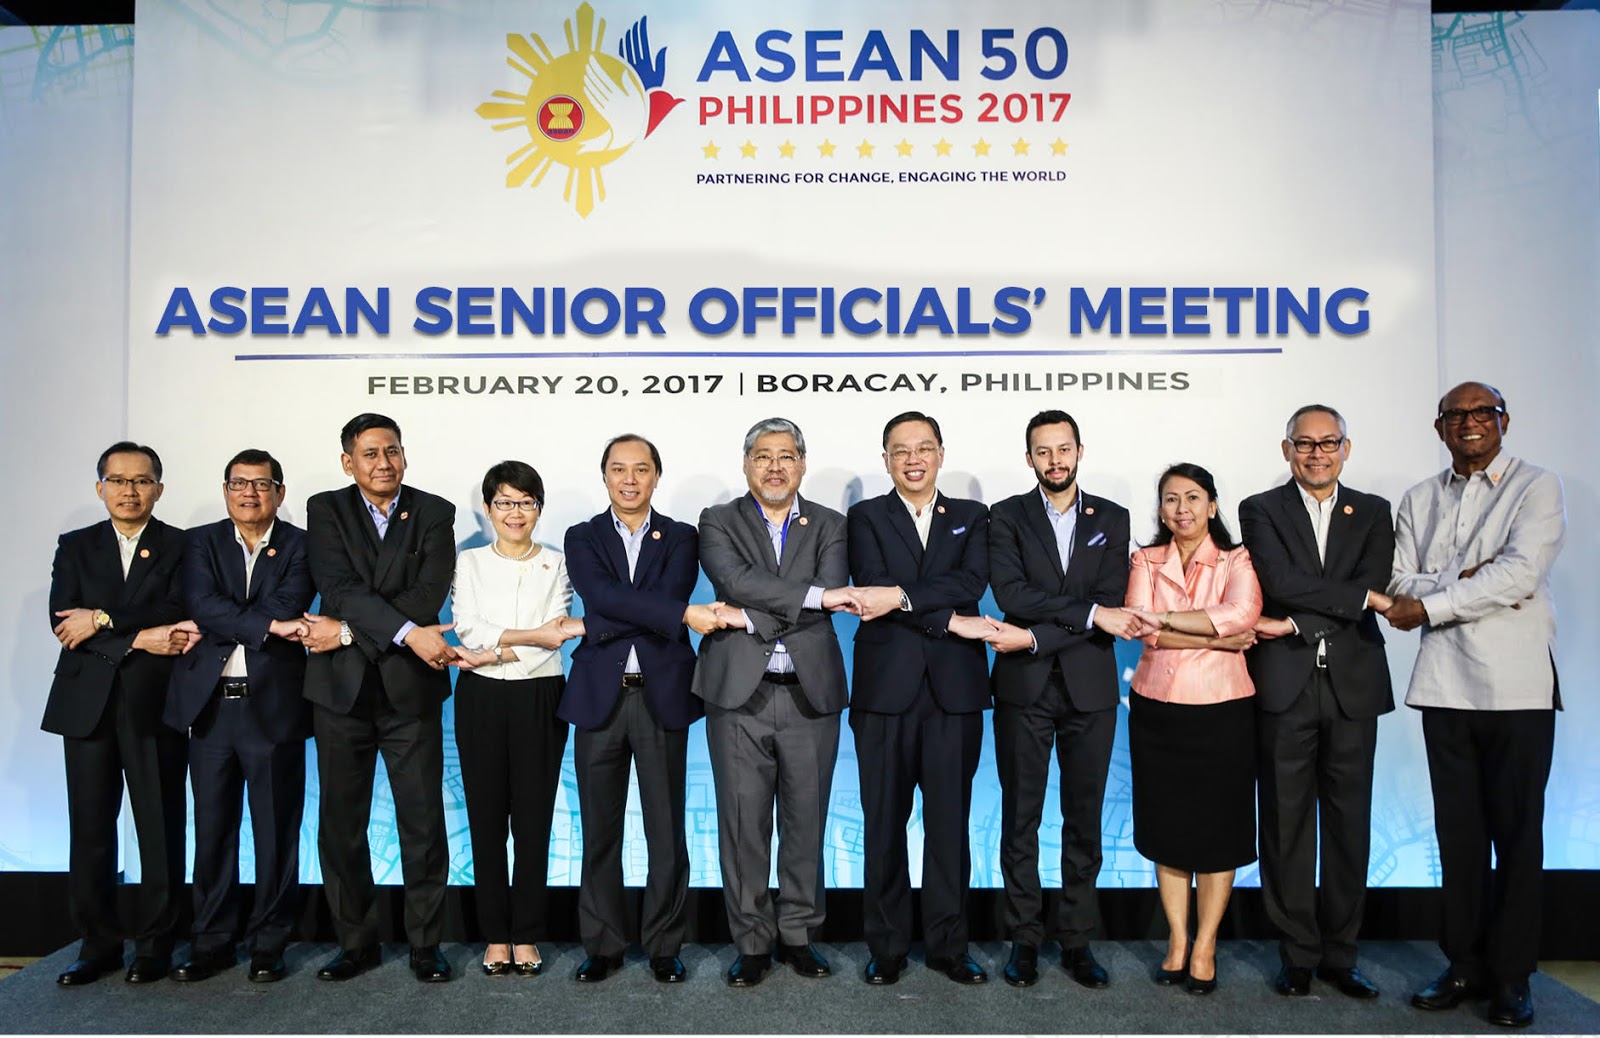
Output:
(621, 609)
(166, 607)
(379, 619)
(219, 613)
(1015, 594)
(1108, 588)
(932, 600)
(1318, 606)
(66, 592)
(772, 603)
(422, 602)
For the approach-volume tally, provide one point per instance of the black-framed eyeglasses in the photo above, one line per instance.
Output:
(140, 483)
(1328, 446)
(783, 461)
(505, 504)
(238, 484)
(1484, 414)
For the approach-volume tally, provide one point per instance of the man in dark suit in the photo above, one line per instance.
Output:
(774, 686)
(1058, 562)
(920, 561)
(1323, 553)
(629, 697)
(116, 607)
(247, 585)
(382, 555)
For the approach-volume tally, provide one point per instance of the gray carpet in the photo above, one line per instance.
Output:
(388, 1000)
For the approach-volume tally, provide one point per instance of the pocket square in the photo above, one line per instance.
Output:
(1098, 538)
(959, 529)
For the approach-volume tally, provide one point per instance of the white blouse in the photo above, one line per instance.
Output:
(492, 593)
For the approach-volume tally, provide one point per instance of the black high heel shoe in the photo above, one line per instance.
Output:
(1168, 978)
(495, 969)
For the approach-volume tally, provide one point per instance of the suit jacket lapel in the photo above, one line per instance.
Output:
(1339, 527)
(755, 521)
(650, 553)
(901, 522)
(1082, 530)
(107, 546)
(798, 535)
(610, 542)
(1299, 520)
(231, 557)
(1039, 523)
(144, 558)
(389, 548)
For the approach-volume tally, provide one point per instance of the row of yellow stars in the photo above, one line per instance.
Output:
(866, 148)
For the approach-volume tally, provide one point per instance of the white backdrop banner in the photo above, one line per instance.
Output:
(520, 229)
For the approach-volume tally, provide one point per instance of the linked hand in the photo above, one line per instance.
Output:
(730, 616)
(703, 619)
(1008, 637)
(976, 628)
(165, 640)
(842, 598)
(1267, 627)
(290, 630)
(185, 635)
(620, 106)
(1379, 602)
(874, 602)
(75, 628)
(429, 645)
(1124, 623)
(322, 633)
(467, 659)
(1406, 613)
(1234, 642)
(1470, 570)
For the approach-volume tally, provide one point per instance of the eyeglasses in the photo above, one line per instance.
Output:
(1325, 446)
(783, 461)
(1457, 415)
(239, 485)
(141, 484)
(901, 455)
(505, 504)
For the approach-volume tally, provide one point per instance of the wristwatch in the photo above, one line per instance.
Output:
(905, 602)
(102, 620)
(345, 637)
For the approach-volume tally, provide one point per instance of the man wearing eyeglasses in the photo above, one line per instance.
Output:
(247, 584)
(1323, 553)
(920, 561)
(773, 683)
(382, 554)
(116, 607)
(1474, 546)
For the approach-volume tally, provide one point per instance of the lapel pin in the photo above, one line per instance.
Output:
(144, 553)
(271, 552)
(1088, 511)
(940, 509)
(1494, 477)
(655, 535)
(405, 515)
(1348, 510)
(804, 520)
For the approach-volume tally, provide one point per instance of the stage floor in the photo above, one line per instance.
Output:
(388, 1000)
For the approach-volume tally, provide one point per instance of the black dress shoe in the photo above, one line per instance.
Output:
(667, 969)
(1294, 981)
(429, 965)
(1195, 986)
(885, 970)
(1022, 971)
(804, 960)
(267, 967)
(1447, 992)
(1348, 980)
(748, 970)
(350, 963)
(597, 968)
(1079, 962)
(960, 969)
(205, 965)
(147, 969)
(87, 971)
(1168, 978)
(1510, 1005)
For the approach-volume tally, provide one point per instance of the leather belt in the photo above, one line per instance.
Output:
(773, 677)
(633, 681)
(234, 688)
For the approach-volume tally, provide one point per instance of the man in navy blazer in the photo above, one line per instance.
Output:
(628, 695)
(1058, 561)
(246, 584)
(117, 610)
(920, 561)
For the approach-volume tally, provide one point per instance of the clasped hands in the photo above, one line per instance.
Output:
(77, 626)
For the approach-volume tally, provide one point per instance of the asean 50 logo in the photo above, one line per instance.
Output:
(584, 108)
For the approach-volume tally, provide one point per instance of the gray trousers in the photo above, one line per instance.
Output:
(774, 749)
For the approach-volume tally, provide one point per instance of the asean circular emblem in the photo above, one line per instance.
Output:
(560, 118)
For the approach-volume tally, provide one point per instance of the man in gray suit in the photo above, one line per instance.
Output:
(773, 682)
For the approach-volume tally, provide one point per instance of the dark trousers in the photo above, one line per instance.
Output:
(603, 755)
(231, 758)
(348, 746)
(1022, 740)
(1315, 779)
(153, 765)
(897, 753)
(511, 744)
(1488, 769)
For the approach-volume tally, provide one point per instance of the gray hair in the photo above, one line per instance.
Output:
(1288, 430)
(775, 425)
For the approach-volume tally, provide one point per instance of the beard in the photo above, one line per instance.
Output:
(1057, 486)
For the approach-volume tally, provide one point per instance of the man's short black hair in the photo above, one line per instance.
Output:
(360, 424)
(518, 475)
(605, 455)
(912, 416)
(1050, 418)
(251, 456)
(127, 447)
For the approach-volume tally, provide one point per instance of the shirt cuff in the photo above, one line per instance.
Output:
(1294, 625)
(1034, 648)
(749, 624)
(405, 629)
(1088, 624)
(1437, 606)
(813, 598)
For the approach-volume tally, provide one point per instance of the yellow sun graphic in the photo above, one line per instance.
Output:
(582, 110)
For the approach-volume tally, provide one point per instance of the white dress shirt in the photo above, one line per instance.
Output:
(235, 667)
(492, 594)
(128, 547)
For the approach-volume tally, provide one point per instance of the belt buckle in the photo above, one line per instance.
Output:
(235, 689)
(633, 681)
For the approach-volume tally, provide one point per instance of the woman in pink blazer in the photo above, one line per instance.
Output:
(1191, 724)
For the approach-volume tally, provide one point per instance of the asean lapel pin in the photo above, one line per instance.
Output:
(405, 515)
(1348, 510)
(271, 552)
(1088, 511)
(804, 521)
(144, 553)
(655, 535)
(940, 509)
